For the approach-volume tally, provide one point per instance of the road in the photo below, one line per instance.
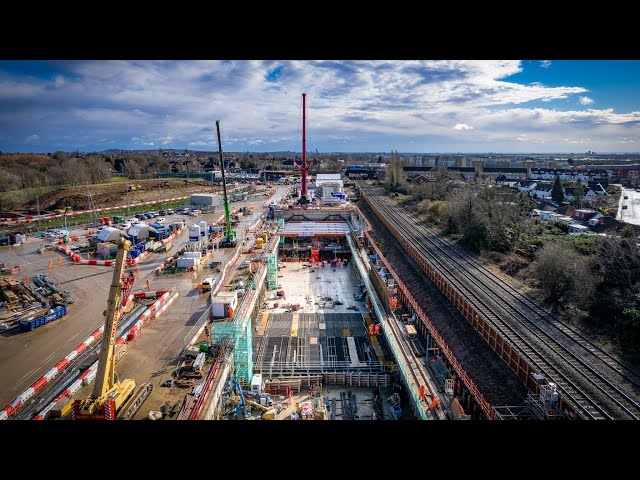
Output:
(632, 213)
(26, 356)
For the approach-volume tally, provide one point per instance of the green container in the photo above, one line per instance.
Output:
(204, 347)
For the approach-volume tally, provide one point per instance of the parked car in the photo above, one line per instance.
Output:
(154, 214)
(624, 207)
(125, 225)
(195, 212)
(626, 197)
(161, 220)
(162, 212)
(170, 212)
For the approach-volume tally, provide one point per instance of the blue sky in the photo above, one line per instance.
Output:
(353, 106)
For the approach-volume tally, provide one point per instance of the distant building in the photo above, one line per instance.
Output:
(566, 174)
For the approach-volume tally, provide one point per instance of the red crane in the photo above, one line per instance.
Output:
(304, 168)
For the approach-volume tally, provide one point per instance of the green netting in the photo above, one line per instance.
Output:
(272, 271)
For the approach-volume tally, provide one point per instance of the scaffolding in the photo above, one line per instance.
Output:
(280, 227)
(239, 334)
(272, 271)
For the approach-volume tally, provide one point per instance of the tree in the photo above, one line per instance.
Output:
(578, 195)
(131, 169)
(395, 180)
(557, 192)
(97, 169)
(563, 275)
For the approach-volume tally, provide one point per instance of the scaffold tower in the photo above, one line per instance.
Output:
(239, 334)
(272, 271)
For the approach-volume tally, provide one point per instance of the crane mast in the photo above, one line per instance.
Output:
(229, 240)
(105, 377)
(108, 395)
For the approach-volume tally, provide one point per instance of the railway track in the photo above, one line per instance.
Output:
(594, 382)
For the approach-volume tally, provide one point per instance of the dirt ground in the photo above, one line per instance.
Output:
(111, 194)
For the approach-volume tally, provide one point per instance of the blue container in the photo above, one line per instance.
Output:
(140, 247)
(4, 241)
(34, 323)
(135, 253)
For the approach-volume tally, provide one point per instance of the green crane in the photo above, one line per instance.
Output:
(229, 240)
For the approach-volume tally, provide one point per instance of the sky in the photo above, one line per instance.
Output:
(430, 106)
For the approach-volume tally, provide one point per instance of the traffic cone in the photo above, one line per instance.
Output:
(88, 256)
(59, 260)
(50, 264)
(148, 283)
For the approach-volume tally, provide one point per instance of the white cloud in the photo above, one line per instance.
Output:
(352, 105)
(32, 138)
(545, 63)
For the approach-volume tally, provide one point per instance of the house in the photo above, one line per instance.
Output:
(421, 180)
(526, 185)
(504, 181)
(541, 191)
(569, 193)
(583, 215)
(577, 229)
(566, 210)
(548, 206)
(598, 188)
(604, 222)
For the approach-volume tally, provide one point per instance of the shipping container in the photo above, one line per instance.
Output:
(207, 199)
(221, 302)
(183, 262)
(53, 314)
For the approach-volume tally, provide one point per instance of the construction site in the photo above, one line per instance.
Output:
(297, 303)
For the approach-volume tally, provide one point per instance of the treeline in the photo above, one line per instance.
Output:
(18, 171)
(592, 278)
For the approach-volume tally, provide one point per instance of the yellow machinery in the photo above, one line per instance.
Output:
(108, 395)
(259, 243)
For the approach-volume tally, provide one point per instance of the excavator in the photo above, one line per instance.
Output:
(229, 239)
(108, 395)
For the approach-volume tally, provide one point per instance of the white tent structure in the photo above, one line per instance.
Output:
(110, 234)
(141, 231)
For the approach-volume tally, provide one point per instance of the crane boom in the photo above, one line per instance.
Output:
(229, 235)
(108, 395)
(224, 183)
(105, 377)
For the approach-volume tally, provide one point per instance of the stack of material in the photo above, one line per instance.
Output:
(10, 284)
(10, 297)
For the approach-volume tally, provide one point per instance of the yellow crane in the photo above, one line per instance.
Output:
(108, 395)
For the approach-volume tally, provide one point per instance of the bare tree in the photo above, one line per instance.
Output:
(75, 171)
(563, 275)
(131, 168)
(97, 169)
(619, 262)
(395, 180)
